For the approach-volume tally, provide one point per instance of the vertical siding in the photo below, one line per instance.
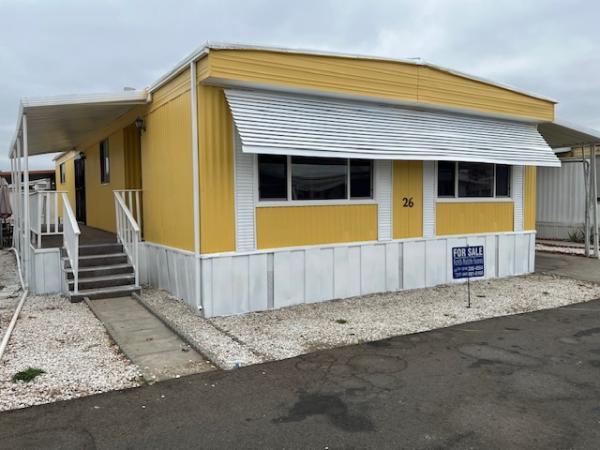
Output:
(517, 189)
(290, 226)
(429, 196)
(133, 161)
(69, 185)
(384, 79)
(408, 183)
(217, 214)
(167, 169)
(530, 197)
(100, 204)
(474, 217)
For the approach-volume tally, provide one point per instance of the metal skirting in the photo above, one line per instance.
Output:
(46, 273)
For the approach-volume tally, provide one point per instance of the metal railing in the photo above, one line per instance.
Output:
(128, 230)
(71, 234)
(133, 201)
(45, 216)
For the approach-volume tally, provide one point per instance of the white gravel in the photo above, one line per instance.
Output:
(288, 332)
(223, 350)
(568, 250)
(67, 342)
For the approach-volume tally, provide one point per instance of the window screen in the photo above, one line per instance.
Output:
(502, 181)
(63, 175)
(475, 179)
(361, 184)
(446, 178)
(319, 178)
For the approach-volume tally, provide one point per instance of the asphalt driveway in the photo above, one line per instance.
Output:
(525, 381)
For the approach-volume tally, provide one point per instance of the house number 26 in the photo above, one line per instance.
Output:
(407, 202)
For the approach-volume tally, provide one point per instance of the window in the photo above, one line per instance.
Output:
(473, 180)
(302, 178)
(62, 173)
(104, 162)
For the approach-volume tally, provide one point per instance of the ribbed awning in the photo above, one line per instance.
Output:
(304, 125)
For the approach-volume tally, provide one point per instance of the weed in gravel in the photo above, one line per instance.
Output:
(341, 321)
(27, 375)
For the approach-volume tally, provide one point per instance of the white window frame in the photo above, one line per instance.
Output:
(457, 199)
(102, 160)
(290, 202)
(62, 173)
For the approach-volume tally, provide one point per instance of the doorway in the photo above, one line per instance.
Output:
(80, 214)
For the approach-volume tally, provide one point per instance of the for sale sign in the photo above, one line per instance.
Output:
(468, 262)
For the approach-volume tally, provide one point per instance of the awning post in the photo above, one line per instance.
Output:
(26, 246)
(594, 182)
(19, 200)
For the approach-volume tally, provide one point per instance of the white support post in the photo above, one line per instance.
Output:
(196, 183)
(26, 249)
(19, 200)
(594, 199)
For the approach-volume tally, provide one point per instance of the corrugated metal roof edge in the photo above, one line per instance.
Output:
(204, 49)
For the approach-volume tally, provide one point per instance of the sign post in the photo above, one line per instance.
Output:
(468, 262)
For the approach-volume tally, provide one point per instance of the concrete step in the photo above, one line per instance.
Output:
(99, 260)
(126, 279)
(100, 271)
(100, 249)
(105, 292)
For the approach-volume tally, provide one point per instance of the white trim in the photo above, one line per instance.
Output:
(169, 248)
(382, 171)
(245, 220)
(429, 198)
(282, 203)
(475, 200)
(516, 190)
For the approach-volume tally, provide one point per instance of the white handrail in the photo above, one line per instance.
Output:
(133, 202)
(71, 234)
(128, 232)
(45, 217)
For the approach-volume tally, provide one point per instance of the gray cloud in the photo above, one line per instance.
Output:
(59, 47)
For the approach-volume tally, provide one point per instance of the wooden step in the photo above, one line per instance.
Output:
(103, 281)
(99, 260)
(106, 292)
(100, 271)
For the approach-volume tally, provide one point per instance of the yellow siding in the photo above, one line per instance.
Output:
(475, 217)
(290, 226)
(167, 189)
(408, 183)
(69, 184)
(99, 200)
(132, 156)
(384, 79)
(530, 198)
(217, 216)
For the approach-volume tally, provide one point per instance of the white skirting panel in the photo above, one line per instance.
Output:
(169, 269)
(46, 276)
(239, 283)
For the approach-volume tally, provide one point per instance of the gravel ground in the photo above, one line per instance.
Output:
(288, 332)
(63, 339)
(567, 250)
(222, 349)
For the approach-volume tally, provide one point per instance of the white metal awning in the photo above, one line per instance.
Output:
(559, 134)
(58, 124)
(290, 124)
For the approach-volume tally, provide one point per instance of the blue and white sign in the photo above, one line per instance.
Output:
(468, 262)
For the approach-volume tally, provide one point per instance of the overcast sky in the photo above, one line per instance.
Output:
(65, 47)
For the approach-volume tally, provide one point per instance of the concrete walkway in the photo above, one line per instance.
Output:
(577, 267)
(159, 352)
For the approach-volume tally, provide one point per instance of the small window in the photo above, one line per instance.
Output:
(446, 179)
(361, 185)
(104, 162)
(502, 181)
(475, 180)
(319, 178)
(62, 173)
(272, 177)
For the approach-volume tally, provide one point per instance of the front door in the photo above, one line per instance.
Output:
(80, 189)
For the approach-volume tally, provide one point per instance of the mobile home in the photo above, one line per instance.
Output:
(250, 178)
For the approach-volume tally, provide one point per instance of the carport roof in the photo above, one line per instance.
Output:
(563, 134)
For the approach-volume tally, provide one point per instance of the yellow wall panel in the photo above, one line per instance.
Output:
(167, 187)
(367, 77)
(530, 198)
(408, 184)
(69, 185)
(473, 217)
(99, 199)
(217, 215)
(291, 226)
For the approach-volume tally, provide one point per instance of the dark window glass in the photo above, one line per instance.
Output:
(272, 177)
(361, 185)
(104, 162)
(62, 173)
(319, 178)
(475, 180)
(502, 181)
(446, 179)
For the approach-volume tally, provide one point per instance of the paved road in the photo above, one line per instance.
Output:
(526, 381)
(578, 267)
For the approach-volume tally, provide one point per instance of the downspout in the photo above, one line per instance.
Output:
(196, 183)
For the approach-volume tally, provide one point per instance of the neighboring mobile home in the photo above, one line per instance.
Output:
(250, 178)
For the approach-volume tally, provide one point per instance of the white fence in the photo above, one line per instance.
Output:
(44, 213)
